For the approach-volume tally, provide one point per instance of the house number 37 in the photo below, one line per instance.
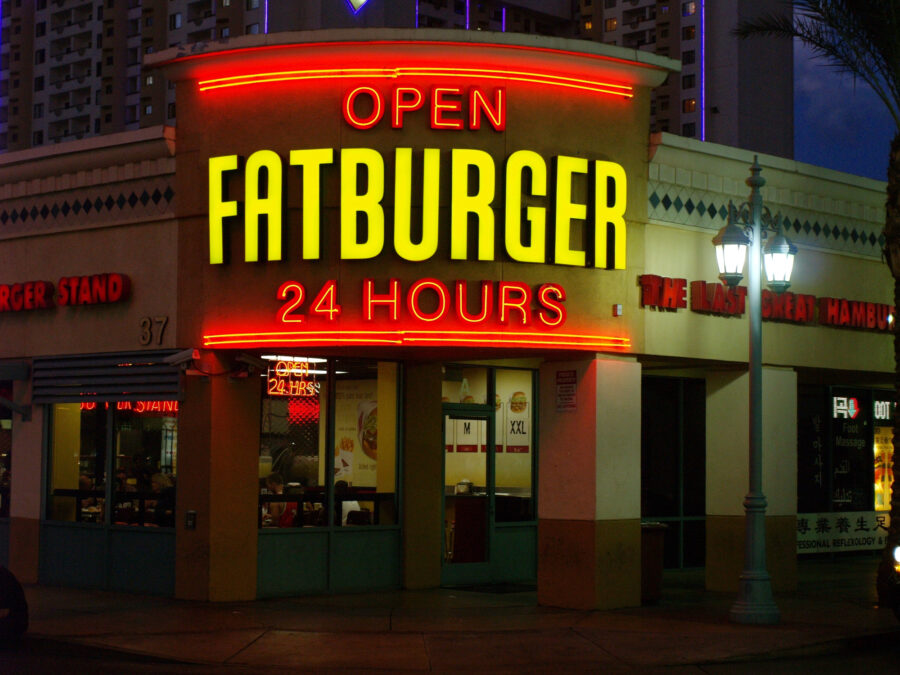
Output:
(152, 329)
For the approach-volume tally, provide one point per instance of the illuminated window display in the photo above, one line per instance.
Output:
(845, 468)
(489, 457)
(135, 442)
(303, 468)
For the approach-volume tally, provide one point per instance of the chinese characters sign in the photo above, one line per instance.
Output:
(845, 531)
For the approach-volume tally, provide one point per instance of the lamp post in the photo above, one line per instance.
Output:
(755, 604)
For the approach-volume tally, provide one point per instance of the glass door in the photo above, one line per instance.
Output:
(468, 496)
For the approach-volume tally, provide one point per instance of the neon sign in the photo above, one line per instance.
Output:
(446, 104)
(139, 407)
(664, 293)
(401, 337)
(513, 306)
(357, 5)
(291, 378)
(513, 75)
(82, 290)
(362, 194)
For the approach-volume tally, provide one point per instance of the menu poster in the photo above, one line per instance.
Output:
(355, 425)
(514, 411)
(467, 435)
(851, 448)
(812, 450)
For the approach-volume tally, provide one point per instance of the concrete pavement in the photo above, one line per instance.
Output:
(453, 631)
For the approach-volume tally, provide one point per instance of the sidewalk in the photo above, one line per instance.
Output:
(453, 631)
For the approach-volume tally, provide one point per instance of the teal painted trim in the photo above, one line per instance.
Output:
(133, 560)
(365, 559)
(514, 554)
(72, 554)
(141, 560)
(292, 562)
(328, 560)
(4, 542)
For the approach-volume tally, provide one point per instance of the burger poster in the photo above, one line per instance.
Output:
(514, 409)
(356, 432)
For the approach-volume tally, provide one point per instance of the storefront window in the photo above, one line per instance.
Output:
(145, 440)
(301, 461)
(134, 441)
(77, 468)
(5, 449)
(365, 451)
(464, 384)
(883, 446)
(514, 447)
(292, 443)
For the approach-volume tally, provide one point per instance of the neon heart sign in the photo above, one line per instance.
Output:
(357, 5)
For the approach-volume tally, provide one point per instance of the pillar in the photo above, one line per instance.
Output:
(26, 488)
(727, 476)
(423, 459)
(589, 506)
(218, 465)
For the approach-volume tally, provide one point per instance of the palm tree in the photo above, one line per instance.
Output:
(860, 37)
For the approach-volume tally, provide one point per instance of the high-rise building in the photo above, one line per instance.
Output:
(73, 68)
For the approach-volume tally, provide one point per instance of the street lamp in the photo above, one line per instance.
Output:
(755, 603)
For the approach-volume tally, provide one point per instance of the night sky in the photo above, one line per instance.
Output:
(839, 123)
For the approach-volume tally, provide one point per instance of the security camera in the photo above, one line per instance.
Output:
(182, 358)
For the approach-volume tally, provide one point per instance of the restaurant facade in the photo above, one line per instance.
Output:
(403, 313)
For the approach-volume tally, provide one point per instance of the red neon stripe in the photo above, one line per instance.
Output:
(624, 90)
(354, 44)
(517, 339)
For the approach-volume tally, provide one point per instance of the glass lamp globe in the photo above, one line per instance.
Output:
(731, 251)
(778, 259)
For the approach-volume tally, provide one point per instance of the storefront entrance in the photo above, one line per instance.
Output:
(489, 523)
(469, 496)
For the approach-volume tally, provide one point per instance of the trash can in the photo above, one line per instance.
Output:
(653, 539)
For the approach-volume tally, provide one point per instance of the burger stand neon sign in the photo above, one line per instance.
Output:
(428, 310)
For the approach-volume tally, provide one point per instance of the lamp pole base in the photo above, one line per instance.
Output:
(755, 604)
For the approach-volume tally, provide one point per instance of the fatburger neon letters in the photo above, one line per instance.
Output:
(528, 188)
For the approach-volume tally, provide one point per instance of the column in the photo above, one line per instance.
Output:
(589, 506)
(727, 476)
(218, 465)
(423, 457)
(26, 488)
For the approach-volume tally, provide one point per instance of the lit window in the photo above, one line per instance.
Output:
(148, 110)
(294, 470)
(226, 31)
(252, 4)
(610, 24)
(253, 29)
(688, 9)
(175, 21)
(149, 80)
(588, 25)
(689, 105)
